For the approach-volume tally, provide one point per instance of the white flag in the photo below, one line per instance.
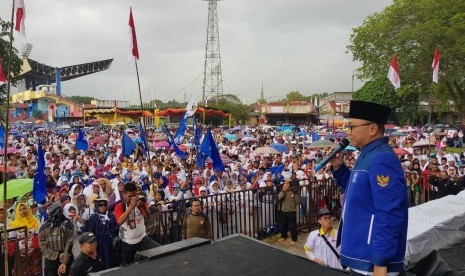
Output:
(191, 107)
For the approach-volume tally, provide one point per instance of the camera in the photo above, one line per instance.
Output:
(143, 198)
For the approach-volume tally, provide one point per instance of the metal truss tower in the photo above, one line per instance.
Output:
(213, 77)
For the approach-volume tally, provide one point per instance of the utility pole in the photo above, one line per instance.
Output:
(213, 77)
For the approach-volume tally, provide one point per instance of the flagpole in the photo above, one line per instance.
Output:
(149, 162)
(5, 142)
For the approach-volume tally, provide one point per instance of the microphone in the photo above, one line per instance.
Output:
(340, 147)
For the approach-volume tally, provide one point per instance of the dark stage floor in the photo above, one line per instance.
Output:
(237, 255)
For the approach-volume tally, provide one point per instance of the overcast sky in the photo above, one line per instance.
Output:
(288, 45)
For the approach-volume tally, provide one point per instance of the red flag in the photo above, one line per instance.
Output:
(393, 74)
(2, 74)
(133, 50)
(20, 17)
(436, 59)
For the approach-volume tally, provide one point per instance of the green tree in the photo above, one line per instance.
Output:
(413, 29)
(231, 104)
(16, 62)
(381, 91)
(82, 99)
(294, 96)
(38, 114)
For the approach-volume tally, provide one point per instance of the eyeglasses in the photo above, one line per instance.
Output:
(352, 127)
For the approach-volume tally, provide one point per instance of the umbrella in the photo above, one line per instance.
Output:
(19, 136)
(183, 147)
(302, 133)
(14, 131)
(159, 138)
(249, 139)
(162, 144)
(279, 147)
(137, 140)
(17, 187)
(423, 143)
(224, 159)
(265, 150)
(287, 131)
(12, 150)
(282, 128)
(399, 151)
(230, 137)
(398, 133)
(93, 122)
(40, 129)
(236, 128)
(8, 168)
(350, 148)
(336, 135)
(98, 140)
(322, 144)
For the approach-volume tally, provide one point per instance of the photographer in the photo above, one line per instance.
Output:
(130, 215)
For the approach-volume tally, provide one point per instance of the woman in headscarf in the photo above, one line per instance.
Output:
(105, 184)
(116, 196)
(25, 218)
(156, 225)
(70, 212)
(103, 224)
(75, 192)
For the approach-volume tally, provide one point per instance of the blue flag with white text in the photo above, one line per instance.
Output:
(210, 149)
(81, 142)
(143, 138)
(179, 136)
(172, 143)
(127, 144)
(39, 188)
(2, 136)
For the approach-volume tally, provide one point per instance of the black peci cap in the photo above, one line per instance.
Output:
(369, 111)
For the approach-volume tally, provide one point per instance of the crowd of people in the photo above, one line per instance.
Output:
(127, 201)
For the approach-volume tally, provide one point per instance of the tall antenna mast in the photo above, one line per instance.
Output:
(213, 77)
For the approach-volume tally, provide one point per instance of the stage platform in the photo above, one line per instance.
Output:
(234, 255)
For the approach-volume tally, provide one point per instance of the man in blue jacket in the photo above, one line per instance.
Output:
(375, 214)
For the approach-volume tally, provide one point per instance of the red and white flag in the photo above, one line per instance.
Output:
(2, 74)
(20, 17)
(133, 50)
(436, 59)
(393, 74)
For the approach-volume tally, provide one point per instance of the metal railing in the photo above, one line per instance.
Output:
(253, 212)
(256, 212)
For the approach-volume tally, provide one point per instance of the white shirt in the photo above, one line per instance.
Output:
(316, 247)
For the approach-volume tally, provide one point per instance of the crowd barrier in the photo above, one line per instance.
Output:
(255, 212)
(252, 212)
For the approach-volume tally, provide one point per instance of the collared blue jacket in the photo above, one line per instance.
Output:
(375, 213)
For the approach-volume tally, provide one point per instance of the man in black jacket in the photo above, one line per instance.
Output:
(88, 261)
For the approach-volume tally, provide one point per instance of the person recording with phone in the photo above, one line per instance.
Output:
(131, 215)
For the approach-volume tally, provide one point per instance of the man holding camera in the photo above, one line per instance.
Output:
(131, 215)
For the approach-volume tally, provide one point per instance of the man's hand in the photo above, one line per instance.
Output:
(316, 260)
(61, 269)
(133, 203)
(379, 270)
(336, 161)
